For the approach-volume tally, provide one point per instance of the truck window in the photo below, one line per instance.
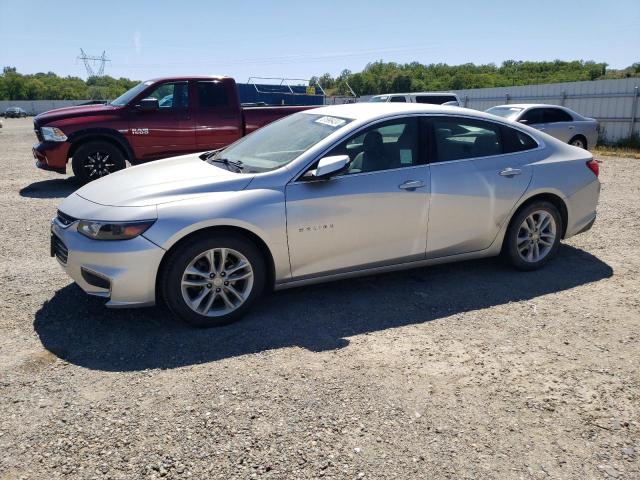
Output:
(398, 99)
(212, 94)
(171, 95)
(435, 99)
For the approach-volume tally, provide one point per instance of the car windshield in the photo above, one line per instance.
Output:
(506, 112)
(382, 98)
(278, 143)
(129, 95)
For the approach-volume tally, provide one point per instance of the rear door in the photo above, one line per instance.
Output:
(477, 176)
(167, 131)
(218, 120)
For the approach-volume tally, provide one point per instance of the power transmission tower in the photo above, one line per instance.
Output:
(91, 61)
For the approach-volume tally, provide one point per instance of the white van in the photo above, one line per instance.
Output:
(434, 98)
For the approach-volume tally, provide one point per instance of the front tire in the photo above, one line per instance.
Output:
(94, 160)
(533, 236)
(213, 280)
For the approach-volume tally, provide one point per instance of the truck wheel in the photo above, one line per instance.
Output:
(93, 160)
(213, 280)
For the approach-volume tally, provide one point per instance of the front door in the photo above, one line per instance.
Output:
(167, 131)
(476, 179)
(374, 214)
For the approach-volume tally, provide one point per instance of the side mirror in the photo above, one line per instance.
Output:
(148, 105)
(524, 120)
(328, 167)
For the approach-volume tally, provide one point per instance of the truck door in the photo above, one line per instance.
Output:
(217, 114)
(167, 131)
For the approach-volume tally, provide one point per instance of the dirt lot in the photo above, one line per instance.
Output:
(460, 371)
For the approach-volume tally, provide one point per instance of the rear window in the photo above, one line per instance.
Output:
(552, 115)
(212, 94)
(460, 138)
(516, 141)
(435, 99)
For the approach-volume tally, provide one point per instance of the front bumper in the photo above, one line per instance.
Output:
(124, 271)
(52, 156)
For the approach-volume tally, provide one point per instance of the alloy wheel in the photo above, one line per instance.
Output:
(99, 164)
(536, 236)
(217, 282)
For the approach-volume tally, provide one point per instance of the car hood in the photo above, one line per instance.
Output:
(79, 111)
(163, 181)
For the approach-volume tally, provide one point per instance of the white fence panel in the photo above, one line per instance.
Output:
(614, 103)
(34, 107)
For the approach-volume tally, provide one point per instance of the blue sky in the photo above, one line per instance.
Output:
(299, 39)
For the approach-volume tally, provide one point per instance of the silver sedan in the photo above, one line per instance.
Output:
(324, 194)
(559, 122)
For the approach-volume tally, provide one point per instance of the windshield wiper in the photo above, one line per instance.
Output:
(228, 163)
(210, 153)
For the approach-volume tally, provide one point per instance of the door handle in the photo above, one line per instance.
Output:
(571, 127)
(510, 172)
(411, 185)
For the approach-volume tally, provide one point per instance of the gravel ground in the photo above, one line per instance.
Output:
(460, 371)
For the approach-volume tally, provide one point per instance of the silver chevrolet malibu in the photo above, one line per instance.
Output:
(320, 195)
(559, 122)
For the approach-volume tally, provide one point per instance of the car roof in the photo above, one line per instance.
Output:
(365, 111)
(530, 105)
(433, 94)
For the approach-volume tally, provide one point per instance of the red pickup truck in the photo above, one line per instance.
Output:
(156, 119)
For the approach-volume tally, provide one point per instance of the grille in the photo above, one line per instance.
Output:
(65, 219)
(59, 248)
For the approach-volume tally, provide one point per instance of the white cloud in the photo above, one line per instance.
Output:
(137, 41)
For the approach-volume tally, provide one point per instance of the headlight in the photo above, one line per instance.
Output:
(53, 134)
(113, 230)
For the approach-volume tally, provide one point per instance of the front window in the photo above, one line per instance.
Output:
(171, 95)
(505, 112)
(130, 94)
(281, 142)
(387, 145)
(381, 98)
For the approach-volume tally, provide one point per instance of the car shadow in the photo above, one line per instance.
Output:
(80, 330)
(54, 188)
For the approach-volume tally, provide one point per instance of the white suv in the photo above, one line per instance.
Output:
(433, 98)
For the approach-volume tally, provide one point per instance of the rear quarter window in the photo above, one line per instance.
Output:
(516, 141)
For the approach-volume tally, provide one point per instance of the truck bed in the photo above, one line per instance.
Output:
(256, 117)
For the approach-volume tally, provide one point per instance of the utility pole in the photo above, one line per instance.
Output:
(90, 61)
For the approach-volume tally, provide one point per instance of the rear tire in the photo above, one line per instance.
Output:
(578, 141)
(533, 236)
(94, 160)
(205, 283)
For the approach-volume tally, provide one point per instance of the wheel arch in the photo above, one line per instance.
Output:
(550, 197)
(101, 134)
(581, 136)
(252, 236)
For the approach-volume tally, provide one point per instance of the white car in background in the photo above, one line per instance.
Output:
(432, 98)
(559, 122)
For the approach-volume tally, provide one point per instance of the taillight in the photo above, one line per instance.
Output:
(593, 166)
